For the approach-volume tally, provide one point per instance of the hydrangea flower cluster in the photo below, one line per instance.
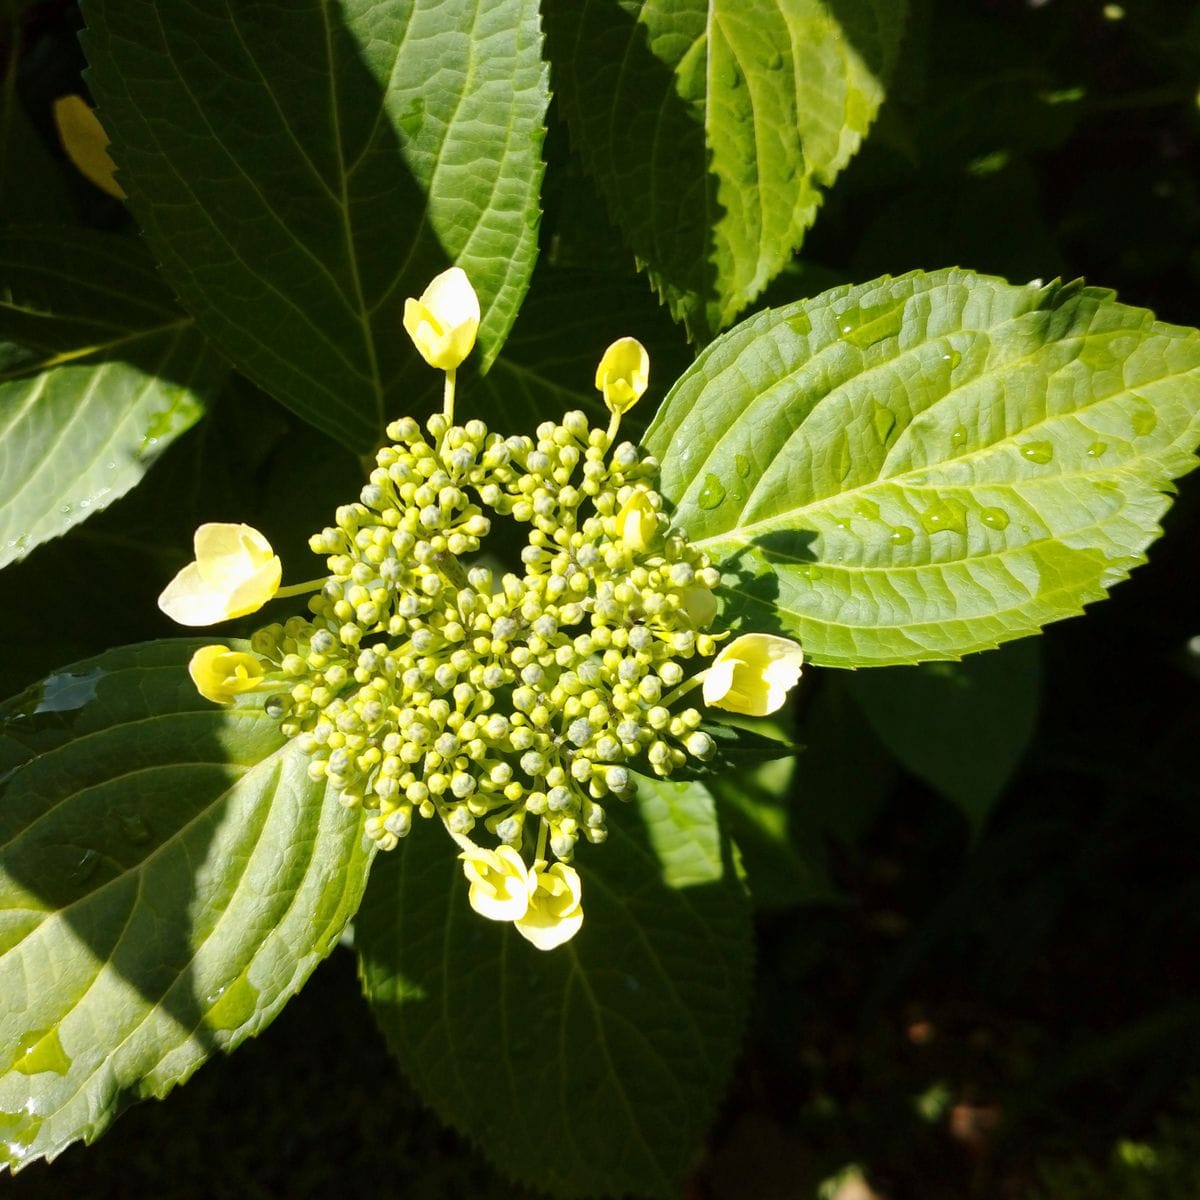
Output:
(428, 681)
(423, 685)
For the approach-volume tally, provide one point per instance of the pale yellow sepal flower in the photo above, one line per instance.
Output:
(500, 882)
(637, 522)
(86, 143)
(221, 674)
(623, 374)
(235, 572)
(444, 322)
(555, 913)
(753, 674)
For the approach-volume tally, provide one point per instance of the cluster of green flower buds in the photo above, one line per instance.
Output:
(428, 681)
(424, 685)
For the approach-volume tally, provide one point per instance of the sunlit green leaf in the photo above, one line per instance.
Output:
(921, 467)
(711, 126)
(169, 877)
(300, 168)
(99, 371)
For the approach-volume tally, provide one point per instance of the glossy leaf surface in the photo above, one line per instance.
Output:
(921, 467)
(299, 169)
(169, 877)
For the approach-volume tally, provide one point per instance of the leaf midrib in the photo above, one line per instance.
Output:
(150, 1009)
(83, 352)
(1010, 441)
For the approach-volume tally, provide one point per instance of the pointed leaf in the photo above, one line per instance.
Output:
(169, 877)
(963, 727)
(711, 126)
(299, 169)
(593, 1068)
(99, 371)
(921, 467)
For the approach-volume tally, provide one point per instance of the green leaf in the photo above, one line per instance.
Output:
(747, 746)
(169, 877)
(710, 126)
(921, 467)
(785, 864)
(593, 1068)
(99, 371)
(961, 726)
(299, 169)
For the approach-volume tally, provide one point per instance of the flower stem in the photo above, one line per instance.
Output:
(682, 690)
(448, 403)
(614, 424)
(300, 589)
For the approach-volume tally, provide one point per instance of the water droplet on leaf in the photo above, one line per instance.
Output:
(233, 1005)
(1037, 452)
(867, 508)
(945, 516)
(743, 465)
(42, 1050)
(800, 322)
(864, 326)
(994, 518)
(712, 494)
(65, 692)
(901, 535)
(133, 826)
(411, 119)
(1144, 420)
(958, 438)
(845, 460)
(884, 421)
(85, 868)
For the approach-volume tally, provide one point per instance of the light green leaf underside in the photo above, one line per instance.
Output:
(594, 1068)
(300, 168)
(99, 372)
(711, 126)
(921, 467)
(169, 877)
